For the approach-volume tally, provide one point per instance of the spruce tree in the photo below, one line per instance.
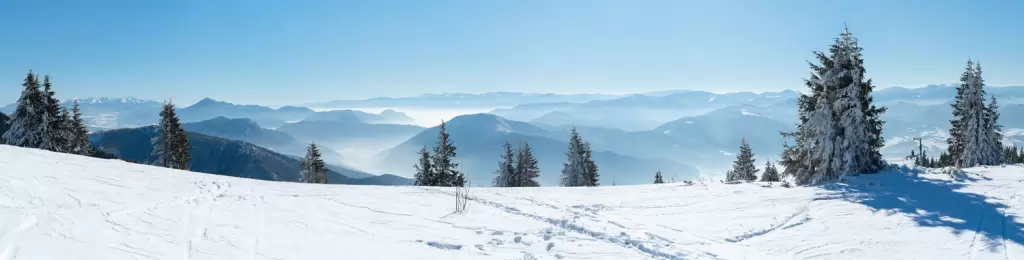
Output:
(658, 179)
(79, 134)
(771, 174)
(312, 168)
(506, 175)
(993, 133)
(574, 169)
(527, 170)
(592, 173)
(974, 147)
(956, 140)
(54, 131)
(171, 146)
(840, 130)
(424, 169)
(743, 168)
(26, 124)
(444, 165)
(3, 126)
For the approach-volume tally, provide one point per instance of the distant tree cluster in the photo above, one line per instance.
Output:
(839, 131)
(39, 121)
(517, 168)
(439, 169)
(1014, 155)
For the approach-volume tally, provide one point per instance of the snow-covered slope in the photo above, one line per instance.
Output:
(56, 206)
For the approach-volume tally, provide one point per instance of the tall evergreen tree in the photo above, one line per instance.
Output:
(592, 173)
(171, 146)
(743, 168)
(527, 170)
(770, 173)
(506, 175)
(840, 130)
(993, 133)
(54, 129)
(973, 146)
(424, 170)
(4, 119)
(312, 168)
(658, 179)
(956, 140)
(26, 124)
(574, 169)
(444, 165)
(79, 134)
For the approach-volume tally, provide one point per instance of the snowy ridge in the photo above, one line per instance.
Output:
(58, 206)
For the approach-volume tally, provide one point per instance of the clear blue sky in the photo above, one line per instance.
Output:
(283, 52)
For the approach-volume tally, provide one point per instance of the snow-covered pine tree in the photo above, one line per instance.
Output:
(78, 132)
(26, 124)
(743, 168)
(444, 165)
(424, 169)
(993, 133)
(506, 175)
(975, 140)
(956, 140)
(54, 125)
(527, 170)
(312, 168)
(3, 126)
(658, 179)
(592, 173)
(171, 146)
(575, 166)
(770, 173)
(840, 130)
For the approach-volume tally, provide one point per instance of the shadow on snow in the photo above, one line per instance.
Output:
(936, 203)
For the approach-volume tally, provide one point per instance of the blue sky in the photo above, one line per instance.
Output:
(286, 52)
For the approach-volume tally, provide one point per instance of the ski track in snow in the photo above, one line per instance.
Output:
(99, 209)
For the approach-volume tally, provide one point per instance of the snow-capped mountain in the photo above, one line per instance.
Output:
(60, 206)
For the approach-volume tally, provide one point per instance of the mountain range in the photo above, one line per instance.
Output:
(682, 133)
(224, 157)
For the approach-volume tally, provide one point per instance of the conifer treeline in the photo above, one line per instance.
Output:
(41, 122)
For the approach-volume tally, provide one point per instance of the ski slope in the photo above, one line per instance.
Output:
(57, 206)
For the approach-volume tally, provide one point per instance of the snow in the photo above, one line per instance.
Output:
(748, 113)
(57, 206)
(711, 99)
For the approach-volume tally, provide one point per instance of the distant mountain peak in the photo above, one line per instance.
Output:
(109, 100)
(209, 101)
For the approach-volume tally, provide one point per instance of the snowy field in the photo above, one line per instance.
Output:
(57, 206)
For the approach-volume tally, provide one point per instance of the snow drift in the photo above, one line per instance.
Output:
(58, 206)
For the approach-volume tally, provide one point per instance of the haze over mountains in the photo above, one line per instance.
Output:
(682, 133)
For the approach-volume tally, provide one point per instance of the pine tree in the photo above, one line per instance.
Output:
(444, 165)
(771, 174)
(974, 146)
(3, 126)
(312, 168)
(527, 170)
(743, 168)
(79, 134)
(840, 130)
(506, 175)
(658, 179)
(956, 140)
(574, 169)
(26, 124)
(592, 173)
(993, 133)
(54, 131)
(171, 146)
(424, 169)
